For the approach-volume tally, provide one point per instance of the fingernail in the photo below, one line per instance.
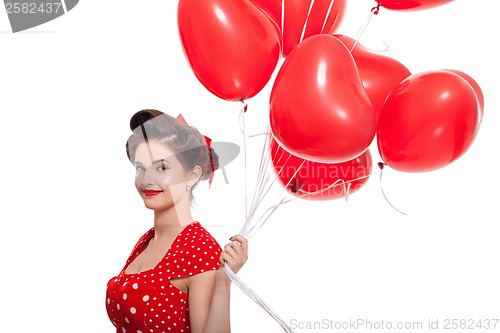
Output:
(231, 238)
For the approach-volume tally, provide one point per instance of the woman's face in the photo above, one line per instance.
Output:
(160, 179)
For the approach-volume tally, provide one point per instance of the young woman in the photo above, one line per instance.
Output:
(174, 280)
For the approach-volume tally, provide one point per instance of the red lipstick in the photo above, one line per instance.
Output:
(150, 193)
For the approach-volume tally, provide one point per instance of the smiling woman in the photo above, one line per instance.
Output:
(171, 280)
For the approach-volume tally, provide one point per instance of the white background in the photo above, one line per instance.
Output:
(70, 215)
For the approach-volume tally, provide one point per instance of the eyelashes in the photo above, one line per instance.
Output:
(160, 167)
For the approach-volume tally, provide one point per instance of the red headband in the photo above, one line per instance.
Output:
(208, 141)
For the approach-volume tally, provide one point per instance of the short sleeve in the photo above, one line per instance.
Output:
(194, 251)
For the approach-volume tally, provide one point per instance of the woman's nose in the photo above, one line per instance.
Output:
(149, 176)
(146, 178)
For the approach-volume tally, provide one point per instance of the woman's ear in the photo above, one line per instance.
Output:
(196, 173)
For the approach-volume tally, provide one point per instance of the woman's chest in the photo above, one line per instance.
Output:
(148, 298)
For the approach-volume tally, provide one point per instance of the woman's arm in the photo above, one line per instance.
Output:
(209, 292)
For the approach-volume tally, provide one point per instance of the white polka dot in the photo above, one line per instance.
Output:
(145, 298)
(124, 329)
(133, 310)
(118, 306)
(135, 286)
(124, 296)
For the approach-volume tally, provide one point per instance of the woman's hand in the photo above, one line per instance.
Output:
(235, 254)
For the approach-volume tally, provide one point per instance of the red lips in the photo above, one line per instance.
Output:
(150, 193)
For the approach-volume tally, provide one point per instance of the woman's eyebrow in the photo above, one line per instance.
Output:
(154, 162)
(161, 160)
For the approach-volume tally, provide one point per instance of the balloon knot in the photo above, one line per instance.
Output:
(295, 186)
(245, 106)
(376, 9)
(381, 165)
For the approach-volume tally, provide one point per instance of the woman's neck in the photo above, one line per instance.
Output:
(173, 219)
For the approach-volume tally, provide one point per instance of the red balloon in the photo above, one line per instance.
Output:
(411, 4)
(427, 122)
(476, 87)
(319, 109)
(232, 46)
(379, 74)
(319, 181)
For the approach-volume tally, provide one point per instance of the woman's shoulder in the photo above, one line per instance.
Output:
(197, 235)
(194, 251)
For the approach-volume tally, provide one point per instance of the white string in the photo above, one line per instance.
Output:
(362, 30)
(242, 123)
(280, 198)
(381, 165)
(282, 20)
(245, 232)
(327, 14)
(305, 23)
(256, 298)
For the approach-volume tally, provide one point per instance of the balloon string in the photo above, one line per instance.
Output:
(381, 166)
(268, 212)
(243, 129)
(282, 24)
(345, 188)
(246, 232)
(362, 30)
(346, 185)
(326, 17)
(261, 181)
(264, 183)
(256, 298)
(307, 20)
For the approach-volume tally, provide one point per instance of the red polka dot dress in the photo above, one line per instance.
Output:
(147, 302)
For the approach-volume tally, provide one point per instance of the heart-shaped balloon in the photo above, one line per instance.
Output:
(319, 109)
(379, 74)
(319, 181)
(428, 121)
(411, 4)
(232, 46)
(24, 15)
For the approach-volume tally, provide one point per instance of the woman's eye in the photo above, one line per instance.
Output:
(139, 168)
(163, 168)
